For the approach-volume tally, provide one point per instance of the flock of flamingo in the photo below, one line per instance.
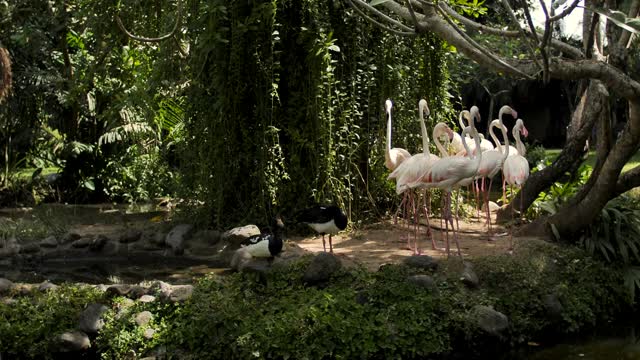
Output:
(459, 164)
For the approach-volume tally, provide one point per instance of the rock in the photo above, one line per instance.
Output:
(29, 248)
(82, 243)
(129, 236)
(98, 243)
(49, 242)
(236, 235)
(69, 238)
(493, 207)
(160, 288)
(137, 291)
(423, 281)
(425, 262)
(123, 307)
(154, 237)
(469, 277)
(148, 334)
(177, 293)
(91, 318)
(47, 286)
(5, 286)
(147, 298)
(119, 289)
(553, 305)
(143, 318)
(10, 248)
(240, 259)
(176, 237)
(72, 341)
(489, 320)
(204, 238)
(321, 268)
(23, 289)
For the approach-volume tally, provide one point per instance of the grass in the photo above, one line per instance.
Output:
(591, 158)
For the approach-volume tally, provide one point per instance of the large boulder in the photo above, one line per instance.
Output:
(49, 242)
(72, 341)
(469, 276)
(489, 320)
(177, 236)
(69, 237)
(423, 281)
(98, 243)
(321, 268)
(5, 286)
(91, 318)
(10, 248)
(130, 236)
(424, 262)
(82, 243)
(177, 293)
(143, 318)
(237, 235)
(31, 248)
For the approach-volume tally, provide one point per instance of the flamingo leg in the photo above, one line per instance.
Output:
(447, 216)
(455, 232)
(512, 216)
(486, 204)
(416, 226)
(399, 209)
(324, 245)
(427, 200)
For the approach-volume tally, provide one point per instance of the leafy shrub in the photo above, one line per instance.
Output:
(29, 325)
(536, 155)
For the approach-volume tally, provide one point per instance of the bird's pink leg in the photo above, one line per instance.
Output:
(427, 199)
(455, 234)
(324, 245)
(486, 203)
(400, 207)
(512, 216)
(416, 225)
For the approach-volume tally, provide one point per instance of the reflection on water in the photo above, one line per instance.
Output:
(627, 348)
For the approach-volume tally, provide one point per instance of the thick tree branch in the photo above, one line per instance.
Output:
(565, 12)
(628, 180)
(156, 39)
(383, 15)
(559, 45)
(377, 23)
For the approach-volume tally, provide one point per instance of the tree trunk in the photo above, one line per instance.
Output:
(591, 105)
(570, 220)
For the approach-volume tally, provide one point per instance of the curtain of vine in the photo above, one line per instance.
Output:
(286, 107)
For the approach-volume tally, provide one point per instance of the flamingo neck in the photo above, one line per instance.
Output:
(389, 132)
(519, 144)
(437, 132)
(493, 135)
(503, 129)
(425, 135)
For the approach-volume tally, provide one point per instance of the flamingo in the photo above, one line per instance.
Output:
(456, 142)
(516, 168)
(410, 169)
(449, 172)
(492, 160)
(393, 156)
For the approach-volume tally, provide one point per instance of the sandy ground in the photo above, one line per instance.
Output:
(384, 242)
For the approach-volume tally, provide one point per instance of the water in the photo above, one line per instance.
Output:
(619, 348)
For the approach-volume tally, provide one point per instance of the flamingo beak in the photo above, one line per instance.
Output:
(514, 114)
(450, 133)
(525, 132)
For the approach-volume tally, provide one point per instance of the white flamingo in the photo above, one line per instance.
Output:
(393, 156)
(516, 168)
(409, 171)
(449, 172)
(492, 160)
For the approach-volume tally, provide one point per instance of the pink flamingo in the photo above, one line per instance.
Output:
(456, 141)
(409, 171)
(492, 160)
(516, 168)
(393, 156)
(449, 172)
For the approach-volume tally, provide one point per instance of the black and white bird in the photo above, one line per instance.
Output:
(266, 245)
(324, 219)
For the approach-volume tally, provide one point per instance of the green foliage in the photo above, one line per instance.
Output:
(549, 202)
(288, 109)
(616, 233)
(536, 155)
(28, 326)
